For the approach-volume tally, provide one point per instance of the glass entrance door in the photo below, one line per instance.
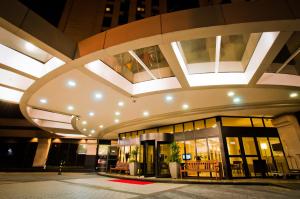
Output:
(164, 154)
(149, 158)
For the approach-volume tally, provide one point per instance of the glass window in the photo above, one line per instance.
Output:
(181, 147)
(178, 128)
(211, 123)
(214, 149)
(122, 154)
(127, 154)
(249, 146)
(151, 131)
(235, 121)
(103, 149)
(188, 126)
(128, 135)
(268, 122)
(199, 124)
(202, 151)
(166, 129)
(250, 164)
(190, 150)
(82, 149)
(122, 136)
(265, 152)
(257, 122)
(236, 165)
(133, 134)
(233, 146)
(278, 154)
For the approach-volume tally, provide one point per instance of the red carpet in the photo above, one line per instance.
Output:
(131, 181)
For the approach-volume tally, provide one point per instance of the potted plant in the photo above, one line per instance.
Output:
(174, 164)
(133, 165)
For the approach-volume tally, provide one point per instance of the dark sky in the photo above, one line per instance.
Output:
(50, 10)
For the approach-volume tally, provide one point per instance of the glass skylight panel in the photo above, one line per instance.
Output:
(232, 52)
(199, 54)
(219, 54)
(153, 58)
(140, 65)
(125, 65)
(287, 60)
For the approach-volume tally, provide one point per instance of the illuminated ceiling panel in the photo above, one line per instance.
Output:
(10, 95)
(14, 80)
(254, 52)
(140, 65)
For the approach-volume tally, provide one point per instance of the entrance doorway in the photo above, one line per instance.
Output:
(156, 158)
(156, 154)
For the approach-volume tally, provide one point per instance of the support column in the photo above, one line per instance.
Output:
(289, 132)
(41, 153)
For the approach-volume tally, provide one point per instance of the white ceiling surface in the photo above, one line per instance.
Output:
(59, 96)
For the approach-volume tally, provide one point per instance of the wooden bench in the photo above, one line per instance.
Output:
(121, 166)
(201, 166)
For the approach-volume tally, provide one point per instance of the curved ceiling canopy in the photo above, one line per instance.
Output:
(159, 74)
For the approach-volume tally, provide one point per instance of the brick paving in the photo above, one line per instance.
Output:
(76, 185)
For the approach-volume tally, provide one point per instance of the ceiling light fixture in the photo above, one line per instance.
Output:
(84, 129)
(84, 122)
(91, 114)
(70, 108)
(185, 106)
(117, 120)
(30, 47)
(117, 113)
(230, 94)
(98, 96)
(120, 103)
(71, 83)
(146, 113)
(237, 100)
(101, 126)
(90, 135)
(93, 131)
(293, 95)
(43, 101)
(169, 98)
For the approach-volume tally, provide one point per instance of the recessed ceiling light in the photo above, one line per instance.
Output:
(117, 113)
(230, 94)
(185, 106)
(84, 129)
(91, 114)
(90, 135)
(84, 122)
(120, 103)
(70, 108)
(43, 101)
(117, 120)
(92, 131)
(30, 46)
(169, 98)
(237, 100)
(71, 83)
(293, 95)
(146, 113)
(98, 96)
(101, 126)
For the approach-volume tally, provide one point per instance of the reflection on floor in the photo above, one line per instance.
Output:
(50, 185)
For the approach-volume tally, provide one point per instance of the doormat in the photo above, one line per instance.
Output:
(131, 181)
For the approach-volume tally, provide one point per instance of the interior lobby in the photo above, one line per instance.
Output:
(117, 87)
